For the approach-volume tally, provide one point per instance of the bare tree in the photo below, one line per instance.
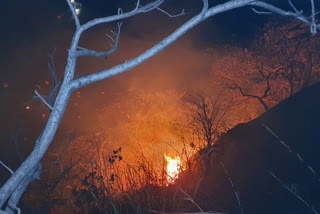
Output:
(251, 76)
(292, 47)
(12, 190)
(206, 119)
(280, 63)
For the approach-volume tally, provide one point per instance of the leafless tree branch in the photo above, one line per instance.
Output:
(261, 12)
(313, 24)
(294, 8)
(43, 100)
(236, 192)
(86, 52)
(170, 15)
(76, 19)
(16, 184)
(295, 14)
(297, 155)
(189, 198)
(5, 166)
(17, 193)
(52, 67)
(295, 194)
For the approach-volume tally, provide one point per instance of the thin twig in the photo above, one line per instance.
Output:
(313, 25)
(233, 187)
(52, 67)
(114, 33)
(43, 100)
(6, 167)
(293, 7)
(188, 197)
(87, 52)
(261, 12)
(196, 190)
(110, 37)
(295, 194)
(298, 156)
(170, 15)
(75, 16)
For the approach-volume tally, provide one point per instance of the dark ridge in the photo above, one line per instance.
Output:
(250, 153)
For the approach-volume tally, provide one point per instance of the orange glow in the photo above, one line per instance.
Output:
(5, 85)
(27, 107)
(43, 116)
(59, 17)
(173, 168)
(46, 82)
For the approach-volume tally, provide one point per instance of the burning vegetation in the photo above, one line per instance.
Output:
(121, 162)
(173, 168)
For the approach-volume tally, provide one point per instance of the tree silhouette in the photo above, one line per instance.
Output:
(280, 63)
(293, 48)
(250, 75)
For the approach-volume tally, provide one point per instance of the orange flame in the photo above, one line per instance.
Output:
(173, 168)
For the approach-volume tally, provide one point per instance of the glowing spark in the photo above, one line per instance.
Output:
(173, 168)
(77, 11)
(27, 107)
(77, 6)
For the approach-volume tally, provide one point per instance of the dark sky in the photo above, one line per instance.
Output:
(27, 18)
(23, 19)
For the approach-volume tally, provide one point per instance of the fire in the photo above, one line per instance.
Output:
(173, 168)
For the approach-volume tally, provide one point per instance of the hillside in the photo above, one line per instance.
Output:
(249, 153)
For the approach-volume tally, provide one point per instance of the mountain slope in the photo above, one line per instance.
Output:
(250, 152)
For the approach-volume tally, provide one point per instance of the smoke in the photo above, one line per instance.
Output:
(140, 106)
(159, 83)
